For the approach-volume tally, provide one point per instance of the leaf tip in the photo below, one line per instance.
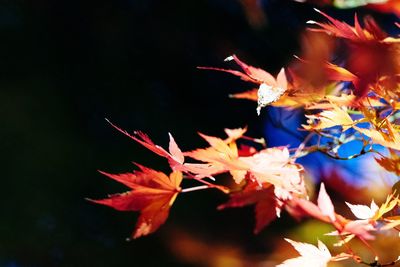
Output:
(297, 57)
(103, 172)
(230, 58)
(221, 207)
(317, 10)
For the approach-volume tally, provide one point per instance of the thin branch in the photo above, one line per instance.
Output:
(302, 145)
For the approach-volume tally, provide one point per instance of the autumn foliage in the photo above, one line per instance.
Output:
(354, 99)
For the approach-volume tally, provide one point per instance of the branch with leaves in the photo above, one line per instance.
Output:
(342, 104)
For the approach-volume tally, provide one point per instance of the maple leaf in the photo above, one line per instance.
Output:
(286, 101)
(153, 193)
(270, 88)
(363, 212)
(363, 226)
(221, 156)
(260, 196)
(337, 73)
(323, 211)
(312, 73)
(325, 203)
(311, 255)
(250, 74)
(391, 164)
(335, 116)
(268, 94)
(386, 136)
(341, 29)
(300, 92)
(390, 203)
(175, 156)
(271, 165)
(372, 53)
(332, 72)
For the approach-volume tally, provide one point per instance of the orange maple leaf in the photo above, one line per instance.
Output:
(391, 164)
(291, 101)
(300, 91)
(221, 156)
(272, 165)
(153, 193)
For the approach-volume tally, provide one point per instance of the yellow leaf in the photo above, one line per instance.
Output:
(328, 118)
(389, 139)
(389, 204)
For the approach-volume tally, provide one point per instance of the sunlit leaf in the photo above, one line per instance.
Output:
(311, 255)
(152, 194)
(335, 116)
(363, 212)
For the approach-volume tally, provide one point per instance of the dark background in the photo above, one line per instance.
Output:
(67, 65)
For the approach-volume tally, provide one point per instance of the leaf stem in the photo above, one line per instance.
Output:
(210, 185)
(195, 188)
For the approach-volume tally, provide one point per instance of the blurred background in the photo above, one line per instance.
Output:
(67, 65)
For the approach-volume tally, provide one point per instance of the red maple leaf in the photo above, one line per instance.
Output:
(153, 193)
(175, 156)
(371, 31)
(372, 53)
(262, 197)
(250, 73)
